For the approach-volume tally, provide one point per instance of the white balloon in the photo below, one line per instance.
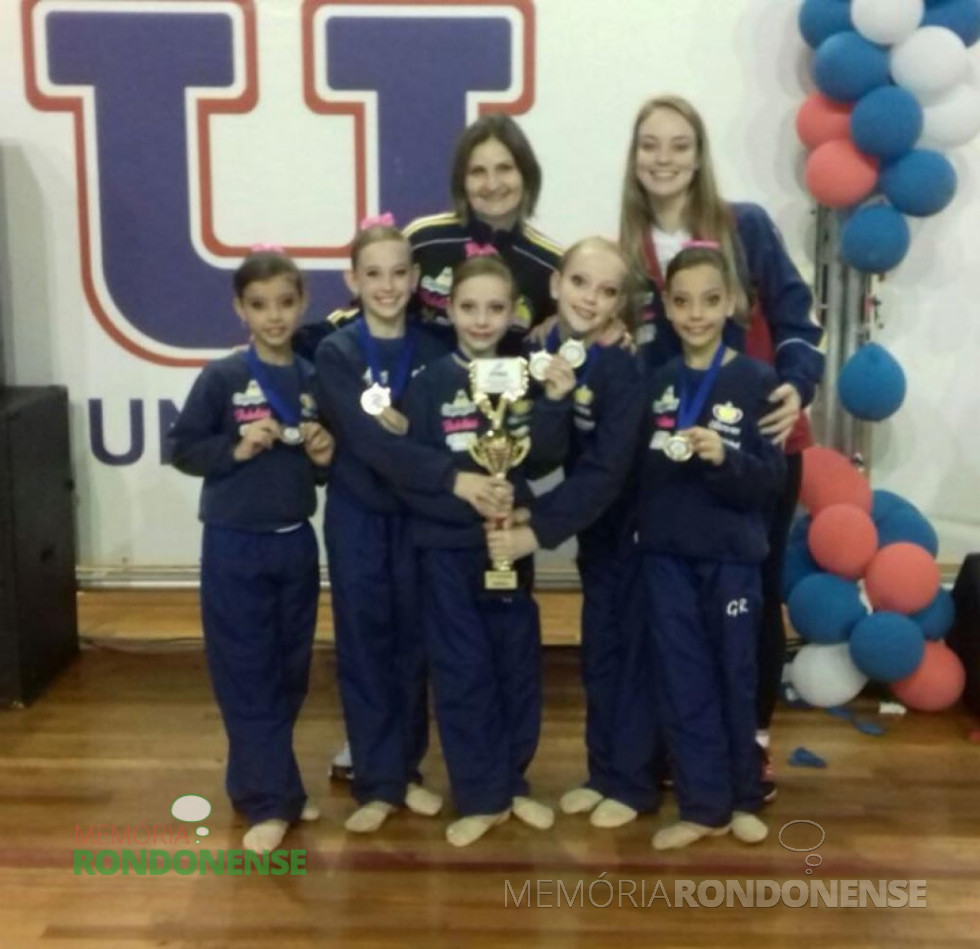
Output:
(930, 61)
(887, 21)
(825, 675)
(953, 117)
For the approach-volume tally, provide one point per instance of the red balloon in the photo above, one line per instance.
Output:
(829, 478)
(843, 539)
(902, 578)
(936, 684)
(821, 120)
(838, 174)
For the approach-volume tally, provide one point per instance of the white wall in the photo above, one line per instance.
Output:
(741, 61)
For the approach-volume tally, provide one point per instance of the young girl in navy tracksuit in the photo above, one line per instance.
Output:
(484, 647)
(593, 502)
(707, 481)
(670, 196)
(363, 369)
(249, 427)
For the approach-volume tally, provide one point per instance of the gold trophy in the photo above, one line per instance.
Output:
(497, 450)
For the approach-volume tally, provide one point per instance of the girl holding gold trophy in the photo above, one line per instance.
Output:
(484, 644)
(363, 370)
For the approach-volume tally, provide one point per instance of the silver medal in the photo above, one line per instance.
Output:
(678, 448)
(573, 352)
(291, 435)
(538, 364)
(375, 399)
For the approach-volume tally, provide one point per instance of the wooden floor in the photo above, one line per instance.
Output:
(121, 734)
(143, 616)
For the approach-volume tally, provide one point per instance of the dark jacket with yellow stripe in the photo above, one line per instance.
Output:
(439, 243)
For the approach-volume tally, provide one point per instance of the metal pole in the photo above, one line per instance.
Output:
(841, 295)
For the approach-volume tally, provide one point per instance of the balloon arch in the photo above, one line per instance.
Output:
(895, 91)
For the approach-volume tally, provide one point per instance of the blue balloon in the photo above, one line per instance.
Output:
(797, 564)
(884, 502)
(887, 122)
(898, 519)
(907, 525)
(799, 530)
(887, 646)
(871, 385)
(875, 238)
(920, 183)
(936, 620)
(960, 16)
(822, 18)
(824, 608)
(847, 66)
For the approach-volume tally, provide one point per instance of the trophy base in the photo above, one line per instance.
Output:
(500, 579)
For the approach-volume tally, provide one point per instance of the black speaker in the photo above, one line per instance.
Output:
(964, 637)
(38, 612)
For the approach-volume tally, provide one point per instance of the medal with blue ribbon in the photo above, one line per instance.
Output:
(573, 351)
(678, 447)
(287, 410)
(377, 397)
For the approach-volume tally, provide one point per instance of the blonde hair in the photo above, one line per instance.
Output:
(706, 214)
(375, 234)
(627, 307)
(483, 265)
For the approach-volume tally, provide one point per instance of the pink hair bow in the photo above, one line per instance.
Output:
(387, 219)
(271, 248)
(473, 249)
(707, 245)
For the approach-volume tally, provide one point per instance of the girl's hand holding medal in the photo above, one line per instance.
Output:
(559, 378)
(318, 442)
(257, 436)
(391, 420)
(706, 444)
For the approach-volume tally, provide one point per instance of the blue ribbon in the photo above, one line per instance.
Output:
(288, 411)
(398, 378)
(689, 409)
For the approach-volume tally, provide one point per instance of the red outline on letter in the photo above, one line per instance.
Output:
(73, 104)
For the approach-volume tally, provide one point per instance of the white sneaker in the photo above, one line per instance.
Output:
(310, 811)
(748, 828)
(612, 813)
(579, 801)
(420, 800)
(683, 833)
(369, 817)
(342, 767)
(468, 830)
(532, 812)
(265, 836)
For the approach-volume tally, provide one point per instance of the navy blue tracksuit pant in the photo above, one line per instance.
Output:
(485, 662)
(704, 623)
(380, 651)
(621, 722)
(258, 605)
